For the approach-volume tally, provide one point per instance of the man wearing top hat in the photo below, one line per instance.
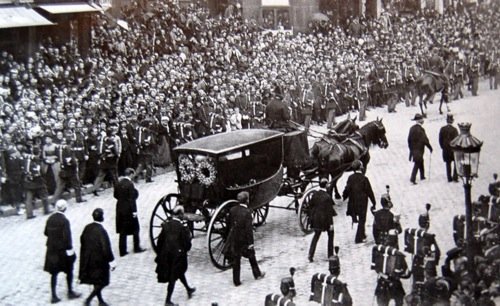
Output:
(417, 141)
(446, 134)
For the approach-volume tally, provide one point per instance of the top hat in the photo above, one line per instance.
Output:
(449, 118)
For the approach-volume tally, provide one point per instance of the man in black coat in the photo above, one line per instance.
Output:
(174, 243)
(60, 256)
(417, 141)
(96, 257)
(446, 134)
(358, 189)
(240, 238)
(277, 113)
(322, 213)
(127, 222)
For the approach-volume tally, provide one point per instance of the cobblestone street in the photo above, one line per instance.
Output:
(280, 244)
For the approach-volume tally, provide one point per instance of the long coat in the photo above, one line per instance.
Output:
(174, 243)
(446, 134)
(358, 189)
(95, 255)
(322, 211)
(277, 114)
(417, 141)
(58, 232)
(241, 230)
(126, 206)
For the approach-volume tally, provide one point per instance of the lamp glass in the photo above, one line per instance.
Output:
(467, 164)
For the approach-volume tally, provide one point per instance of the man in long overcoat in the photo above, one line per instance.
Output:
(277, 113)
(358, 189)
(174, 243)
(127, 222)
(60, 256)
(446, 134)
(417, 141)
(240, 238)
(96, 257)
(322, 213)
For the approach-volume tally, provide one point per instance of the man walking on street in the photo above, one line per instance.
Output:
(96, 257)
(174, 243)
(241, 237)
(417, 141)
(127, 222)
(446, 134)
(358, 189)
(60, 256)
(322, 213)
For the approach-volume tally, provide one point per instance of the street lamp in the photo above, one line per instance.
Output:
(466, 149)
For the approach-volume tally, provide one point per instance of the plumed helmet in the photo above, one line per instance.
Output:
(385, 200)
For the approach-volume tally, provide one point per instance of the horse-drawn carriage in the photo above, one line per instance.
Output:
(212, 170)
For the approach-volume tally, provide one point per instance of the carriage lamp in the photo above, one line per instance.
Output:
(466, 149)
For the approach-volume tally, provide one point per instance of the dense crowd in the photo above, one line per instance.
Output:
(180, 74)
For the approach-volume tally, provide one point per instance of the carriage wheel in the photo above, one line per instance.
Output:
(217, 235)
(260, 215)
(161, 213)
(304, 213)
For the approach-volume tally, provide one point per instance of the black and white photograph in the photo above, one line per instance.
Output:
(250, 152)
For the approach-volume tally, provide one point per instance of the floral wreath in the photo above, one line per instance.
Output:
(187, 169)
(206, 172)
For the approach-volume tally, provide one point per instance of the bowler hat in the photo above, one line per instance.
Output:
(418, 117)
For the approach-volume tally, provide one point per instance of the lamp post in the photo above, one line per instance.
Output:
(466, 149)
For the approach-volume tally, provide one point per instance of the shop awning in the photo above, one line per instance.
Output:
(17, 17)
(69, 8)
(275, 3)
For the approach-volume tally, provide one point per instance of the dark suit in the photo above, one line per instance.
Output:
(417, 141)
(241, 240)
(322, 213)
(58, 232)
(446, 134)
(126, 222)
(277, 114)
(95, 255)
(174, 243)
(358, 189)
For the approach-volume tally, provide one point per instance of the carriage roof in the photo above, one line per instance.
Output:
(226, 142)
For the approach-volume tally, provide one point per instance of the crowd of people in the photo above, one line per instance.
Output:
(175, 74)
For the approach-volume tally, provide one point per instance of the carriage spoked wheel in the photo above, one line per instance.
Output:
(304, 212)
(218, 232)
(260, 214)
(161, 213)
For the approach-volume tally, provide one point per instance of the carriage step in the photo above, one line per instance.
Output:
(191, 217)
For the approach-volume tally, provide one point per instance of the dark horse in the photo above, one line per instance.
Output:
(334, 158)
(428, 85)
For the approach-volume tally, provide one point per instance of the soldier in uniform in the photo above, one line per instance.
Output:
(145, 148)
(13, 172)
(410, 78)
(306, 104)
(69, 169)
(79, 148)
(425, 262)
(34, 183)
(389, 287)
(446, 134)
(331, 108)
(109, 153)
(474, 71)
(384, 221)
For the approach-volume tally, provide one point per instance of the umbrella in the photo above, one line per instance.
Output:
(320, 17)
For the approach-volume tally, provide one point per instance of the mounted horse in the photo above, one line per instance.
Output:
(335, 157)
(428, 85)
